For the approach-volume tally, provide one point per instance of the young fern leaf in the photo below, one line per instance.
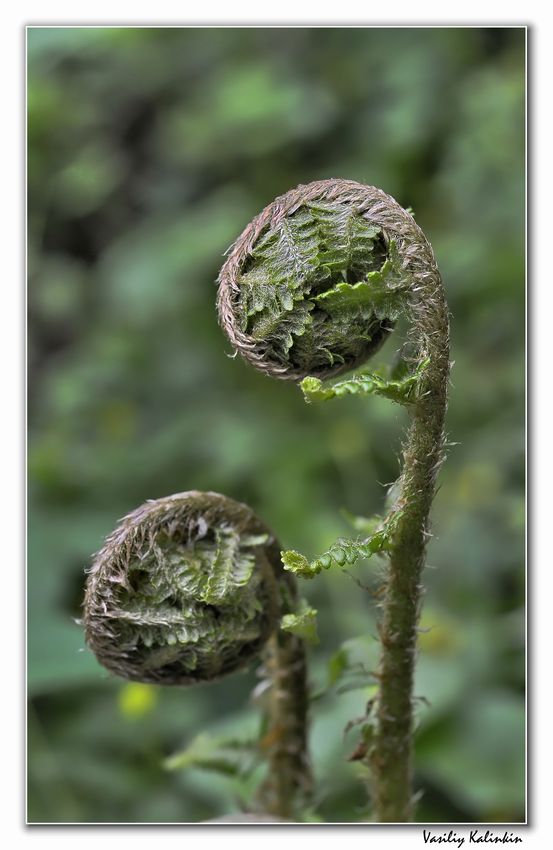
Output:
(343, 551)
(303, 623)
(403, 391)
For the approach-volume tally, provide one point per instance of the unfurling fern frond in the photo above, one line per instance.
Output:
(188, 589)
(312, 286)
(185, 589)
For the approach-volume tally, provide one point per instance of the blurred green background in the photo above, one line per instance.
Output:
(149, 151)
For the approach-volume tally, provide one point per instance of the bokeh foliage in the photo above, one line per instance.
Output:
(149, 151)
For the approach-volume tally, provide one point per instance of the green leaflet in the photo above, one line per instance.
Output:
(260, 294)
(402, 391)
(344, 551)
(291, 252)
(219, 579)
(303, 623)
(231, 568)
(296, 563)
(280, 329)
(346, 239)
(382, 293)
(361, 297)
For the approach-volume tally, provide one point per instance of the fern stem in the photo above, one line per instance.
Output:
(392, 754)
(285, 746)
(288, 780)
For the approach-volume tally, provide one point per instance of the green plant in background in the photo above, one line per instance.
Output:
(313, 285)
(189, 588)
(132, 201)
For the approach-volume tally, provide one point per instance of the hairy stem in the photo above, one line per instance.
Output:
(289, 777)
(285, 745)
(391, 755)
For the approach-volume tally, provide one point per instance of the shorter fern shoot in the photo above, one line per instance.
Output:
(190, 588)
(310, 289)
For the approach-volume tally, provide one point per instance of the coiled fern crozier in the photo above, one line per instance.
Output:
(312, 288)
(190, 588)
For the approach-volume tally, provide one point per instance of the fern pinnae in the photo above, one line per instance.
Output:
(297, 242)
(220, 583)
(403, 390)
(345, 550)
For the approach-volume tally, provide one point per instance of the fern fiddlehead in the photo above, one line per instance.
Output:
(294, 293)
(189, 588)
(310, 289)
